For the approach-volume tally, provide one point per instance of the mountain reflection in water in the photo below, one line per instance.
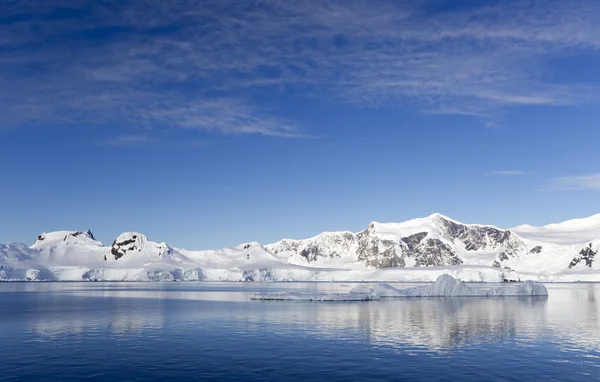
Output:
(571, 312)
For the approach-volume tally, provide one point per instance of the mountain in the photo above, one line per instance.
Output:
(131, 246)
(65, 238)
(571, 232)
(556, 248)
(432, 241)
(415, 250)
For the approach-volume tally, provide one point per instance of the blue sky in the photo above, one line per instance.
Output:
(210, 123)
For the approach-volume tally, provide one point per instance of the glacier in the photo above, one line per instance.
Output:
(418, 250)
(444, 286)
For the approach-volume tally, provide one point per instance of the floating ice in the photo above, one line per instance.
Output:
(448, 286)
(444, 286)
(281, 296)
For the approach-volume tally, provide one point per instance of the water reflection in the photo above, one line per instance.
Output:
(120, 318)
(434, 324)
(568, 317)
(449, 322)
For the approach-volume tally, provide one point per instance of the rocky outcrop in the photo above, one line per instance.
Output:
(535, 250)
(119, 249)
(587, 255)
(378, 253)
(414, 240)
(434, 252)
(130, 243)
(477, 238)
(327, 245)
(417, 249)
(87, 233)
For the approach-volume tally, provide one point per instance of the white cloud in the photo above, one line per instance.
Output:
(129, 140)
(197, 64)
(509, 173)
(223, 115)
(149, 139)
(580, 182)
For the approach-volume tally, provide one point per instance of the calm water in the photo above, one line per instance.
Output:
(206, 331)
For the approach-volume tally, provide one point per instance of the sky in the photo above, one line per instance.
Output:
(209, 123)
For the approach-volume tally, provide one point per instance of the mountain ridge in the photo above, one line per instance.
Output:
(434, 242)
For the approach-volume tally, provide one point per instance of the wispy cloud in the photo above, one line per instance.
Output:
(128, 140)
(580, 182)
(148, 139)
(223, 115)
(509, 173)
(191, 64)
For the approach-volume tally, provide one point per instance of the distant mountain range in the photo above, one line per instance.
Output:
(415, 250)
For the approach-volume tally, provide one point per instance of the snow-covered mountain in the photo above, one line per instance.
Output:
(565, 248)
(432, 241)
(415, 250)
(65, 238)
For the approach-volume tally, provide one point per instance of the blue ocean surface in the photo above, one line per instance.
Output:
(213, 331)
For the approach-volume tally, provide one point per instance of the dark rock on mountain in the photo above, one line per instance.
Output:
(414, 240)
(64, 237)
(586, 254)
(312, 253)
(119, 249)
(434, 252)
(87, 233)
(476, 237)
(130, 243)
(536, 250)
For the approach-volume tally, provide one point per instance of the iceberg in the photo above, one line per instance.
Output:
(444, 286)
(448, 286)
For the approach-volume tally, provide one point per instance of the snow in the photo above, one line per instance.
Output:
(65, 238)
(571, 232)
(77, 256)
(371, 247)
(431, 224)
(444, 286)
(560, 243)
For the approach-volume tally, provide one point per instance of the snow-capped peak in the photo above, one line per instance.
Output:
(248, 245)
(437, 215)
(131, 244)
(432, 224)
(434, 240)
(435, 224)
(61, 238)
